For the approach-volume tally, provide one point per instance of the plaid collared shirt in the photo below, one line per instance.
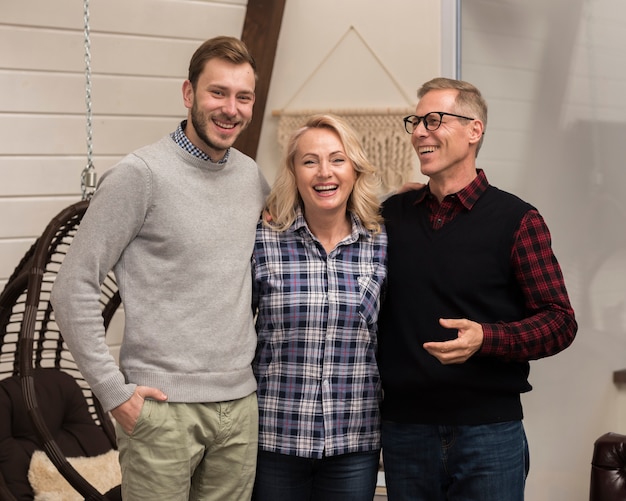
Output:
(319, 389)
(181, 139)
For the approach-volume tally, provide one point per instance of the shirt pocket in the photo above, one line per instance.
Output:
(370, 287)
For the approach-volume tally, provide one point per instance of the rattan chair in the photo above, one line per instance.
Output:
(31, 344)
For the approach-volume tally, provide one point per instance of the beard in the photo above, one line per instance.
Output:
(200, 122)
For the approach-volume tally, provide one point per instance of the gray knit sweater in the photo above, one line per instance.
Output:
(178, 232)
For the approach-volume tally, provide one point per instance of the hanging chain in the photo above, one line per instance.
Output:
(88, 176)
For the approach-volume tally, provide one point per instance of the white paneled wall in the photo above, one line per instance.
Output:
(140, 50)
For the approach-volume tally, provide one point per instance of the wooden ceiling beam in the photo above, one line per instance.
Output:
(261, 29)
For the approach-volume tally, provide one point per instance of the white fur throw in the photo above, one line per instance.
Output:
(103, 472)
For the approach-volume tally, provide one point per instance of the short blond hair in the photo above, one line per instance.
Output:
(469, 99)
(284, 199)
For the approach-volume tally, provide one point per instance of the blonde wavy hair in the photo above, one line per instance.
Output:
(284, 199)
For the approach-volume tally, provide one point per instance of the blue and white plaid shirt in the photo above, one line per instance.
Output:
(319, 390)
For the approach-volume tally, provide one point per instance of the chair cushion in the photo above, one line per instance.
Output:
(65, 412)
(103, 472)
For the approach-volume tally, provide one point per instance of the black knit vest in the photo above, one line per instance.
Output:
(461, 270)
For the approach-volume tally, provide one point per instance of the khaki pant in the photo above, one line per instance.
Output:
(180, 452)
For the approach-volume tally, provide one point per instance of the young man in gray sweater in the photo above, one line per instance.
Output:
(176, 221)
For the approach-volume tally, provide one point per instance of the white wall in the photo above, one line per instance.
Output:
(553, 74)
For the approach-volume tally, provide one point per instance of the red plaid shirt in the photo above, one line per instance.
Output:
(551, 327)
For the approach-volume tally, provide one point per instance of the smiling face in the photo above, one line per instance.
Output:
(451, 149)
(220, 106)
(324, 174)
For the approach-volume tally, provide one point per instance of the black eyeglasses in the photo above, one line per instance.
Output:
(431, 120)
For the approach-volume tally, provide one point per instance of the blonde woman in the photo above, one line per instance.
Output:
(319, 267)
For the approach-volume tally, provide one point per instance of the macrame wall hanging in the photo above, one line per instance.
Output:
(384, 139)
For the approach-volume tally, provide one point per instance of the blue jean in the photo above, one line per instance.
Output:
(335, 478)
(454, 463)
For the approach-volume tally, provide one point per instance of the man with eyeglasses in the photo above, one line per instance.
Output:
(474, 293)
